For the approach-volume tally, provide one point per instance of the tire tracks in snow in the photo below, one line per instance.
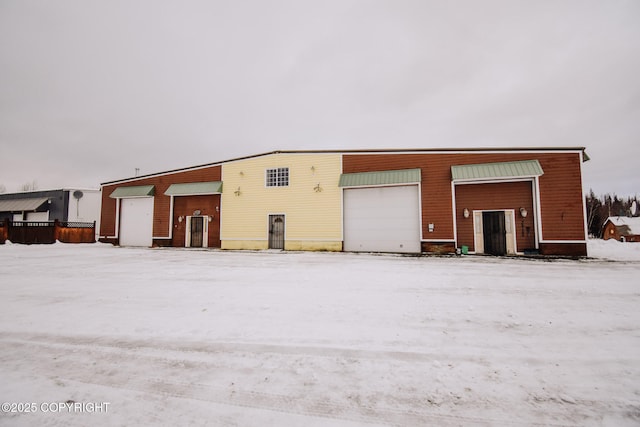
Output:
(333, 383)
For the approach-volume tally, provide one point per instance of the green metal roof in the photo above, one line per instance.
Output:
(194, 188)
(503, 170)
(133, 191)
(364, 179)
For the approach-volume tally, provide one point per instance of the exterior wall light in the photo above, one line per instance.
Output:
(523, 212)
(465, 213)
(237, 192)
(180, 218)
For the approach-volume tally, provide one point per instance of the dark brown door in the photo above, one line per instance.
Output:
(276, 231)
(495, 233)
(197, 225)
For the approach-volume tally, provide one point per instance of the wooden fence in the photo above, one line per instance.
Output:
(46, 232)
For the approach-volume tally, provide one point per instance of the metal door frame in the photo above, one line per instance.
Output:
(271, 242)
(497, 218)
(511, 243)
(205, 231)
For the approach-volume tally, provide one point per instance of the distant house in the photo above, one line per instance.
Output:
(76, 205)
(622, 228)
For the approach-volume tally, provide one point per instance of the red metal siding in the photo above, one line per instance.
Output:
(508, 195)
(162, 203)
(561, 198)
(560, 186)
(185, 206)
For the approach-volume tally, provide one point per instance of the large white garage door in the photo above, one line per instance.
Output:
(382, 219)
(136, 222)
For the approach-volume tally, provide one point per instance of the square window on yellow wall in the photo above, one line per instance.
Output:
(277, 177)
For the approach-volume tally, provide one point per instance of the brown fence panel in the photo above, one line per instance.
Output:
(76, 232)
(32, 232)
(47, 232)
(4, 231)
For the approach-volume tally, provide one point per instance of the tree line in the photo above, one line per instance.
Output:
(599, 208)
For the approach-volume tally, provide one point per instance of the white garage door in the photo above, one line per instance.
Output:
(382, 219)
(136, 222)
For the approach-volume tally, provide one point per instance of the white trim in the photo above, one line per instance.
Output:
(171, 217)
(341, 206)
(584, 200)
(194, 194)
(400, 184)
(494, 181)
(420, 211)
(438, 240)
(490, 180)
(455, 215)
(538, 208)
(514, 231)
(533, 150)
(477, 224)
(536, 236)
(535, 193)
(118, 202)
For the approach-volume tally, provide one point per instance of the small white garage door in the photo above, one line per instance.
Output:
(382, 219)
(37, 216)
(136, 221)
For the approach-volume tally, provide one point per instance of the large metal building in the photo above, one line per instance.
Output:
(500, 201)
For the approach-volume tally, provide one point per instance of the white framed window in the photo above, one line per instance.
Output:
(277, 177)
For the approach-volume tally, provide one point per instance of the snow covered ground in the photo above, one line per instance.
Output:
(199, 337)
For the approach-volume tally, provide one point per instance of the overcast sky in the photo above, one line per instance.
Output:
(92, 89)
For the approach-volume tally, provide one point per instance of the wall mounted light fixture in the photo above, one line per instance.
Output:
(465, 213)
(237, 192)
(180, 218)
(317, 188)
(523, 212)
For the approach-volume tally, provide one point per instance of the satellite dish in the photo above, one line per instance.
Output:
(78, 195)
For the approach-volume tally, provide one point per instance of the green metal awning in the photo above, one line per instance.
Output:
(499, 171)
(194, 188)
(21, 205)
(366, 179)
(133, 191)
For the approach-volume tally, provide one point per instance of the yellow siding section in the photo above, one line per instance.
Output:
(312, 203)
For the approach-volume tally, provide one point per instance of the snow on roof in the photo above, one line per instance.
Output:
(633, 224)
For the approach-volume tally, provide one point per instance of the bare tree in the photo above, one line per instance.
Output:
(29, 186)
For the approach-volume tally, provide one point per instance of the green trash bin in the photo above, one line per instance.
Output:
(465, 250)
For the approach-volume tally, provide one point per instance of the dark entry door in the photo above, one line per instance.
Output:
(495, 233)
(276, 231)
(197, 226)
